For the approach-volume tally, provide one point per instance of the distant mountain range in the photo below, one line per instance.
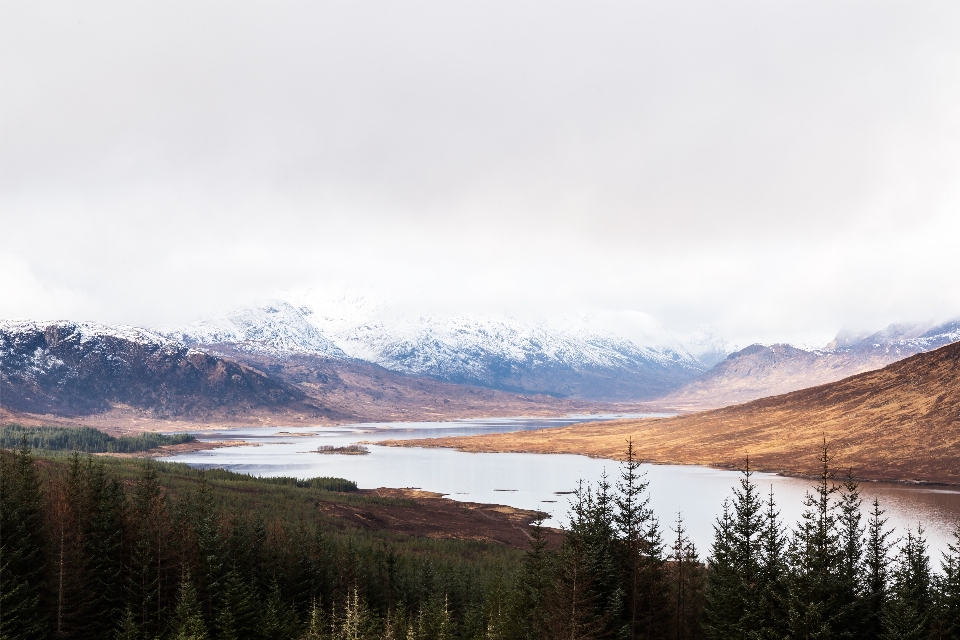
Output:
(568, 359)
(115, 376)
(759, 371)
(355, 362)
(899, 423)
(78, 369)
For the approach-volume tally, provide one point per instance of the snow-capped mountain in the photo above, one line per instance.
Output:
(575, 357)
(276, 327)
(760, 371)
(80, 368)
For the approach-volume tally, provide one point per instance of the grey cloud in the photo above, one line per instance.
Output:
(775, 169)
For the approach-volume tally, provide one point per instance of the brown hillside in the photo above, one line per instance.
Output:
(899, 423)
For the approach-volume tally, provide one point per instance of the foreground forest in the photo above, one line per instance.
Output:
(116, 548)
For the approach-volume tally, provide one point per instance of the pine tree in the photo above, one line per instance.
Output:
(148, 559)
(188, 618)
(21, 547)
(948, 591)
(592, 534)
(908, 614)
(687, 583)
(571, 609)
(771, 602)
(355, 623)
(316, 624)
(525, 607)
(238, 615)
(816, 556)
(641, 550)
(733, 608)
(279, 622)
(103, 539)
(723, 606)
(877, 572)
(211, 548)
(852, 611)
(128, 629)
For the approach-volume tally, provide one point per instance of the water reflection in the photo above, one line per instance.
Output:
(540, 481)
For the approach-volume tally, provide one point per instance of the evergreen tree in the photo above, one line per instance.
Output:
(852, 610)
(877, 572)
(723, 602)
(592, 536)
(687, 583)
(317, 624)
(572, 609)
(948, 591)
(21, 547)
(103, 538)
(238, 615)
(128, 629)
(735, 566)
(279, 621)
(771, 601)
(644, 592)
(188, 618)
(355, 623)
(210, 546)
(525, 606)
(149, 559)
(816, 555)
(908, 614)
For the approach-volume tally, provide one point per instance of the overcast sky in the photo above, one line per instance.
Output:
(775, 169)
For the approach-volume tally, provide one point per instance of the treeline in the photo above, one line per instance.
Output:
(84, 439)
(101, 549)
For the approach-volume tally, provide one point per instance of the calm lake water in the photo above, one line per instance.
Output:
(538, 481)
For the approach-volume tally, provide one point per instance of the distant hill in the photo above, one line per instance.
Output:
(80, 369)
(760, 371)
(899, 423)
(570, 359)
(117, 377)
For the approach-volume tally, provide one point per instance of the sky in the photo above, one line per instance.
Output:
(777, 170)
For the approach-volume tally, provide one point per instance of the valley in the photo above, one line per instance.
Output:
(900, 423)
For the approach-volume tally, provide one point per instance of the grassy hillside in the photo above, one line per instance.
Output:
(900, 423)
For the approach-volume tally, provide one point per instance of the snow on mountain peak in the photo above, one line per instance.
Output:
(275, 327)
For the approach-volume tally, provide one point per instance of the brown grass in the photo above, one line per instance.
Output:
(900, 423)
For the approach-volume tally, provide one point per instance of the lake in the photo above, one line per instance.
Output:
(540, 481)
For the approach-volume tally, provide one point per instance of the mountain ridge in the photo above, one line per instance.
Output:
(899, 423)
(502, 353)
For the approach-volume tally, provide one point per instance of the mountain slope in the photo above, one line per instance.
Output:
(760, 370)
(81, 369)
(371, 393)
(899, 423)
(571, 359)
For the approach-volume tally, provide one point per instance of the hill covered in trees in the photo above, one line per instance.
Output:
(122, 549)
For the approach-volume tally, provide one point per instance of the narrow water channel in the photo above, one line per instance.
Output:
(541, 481)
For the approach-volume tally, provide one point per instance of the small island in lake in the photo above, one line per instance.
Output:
(350, 449)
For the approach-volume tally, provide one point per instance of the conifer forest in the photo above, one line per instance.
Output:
(96, 547)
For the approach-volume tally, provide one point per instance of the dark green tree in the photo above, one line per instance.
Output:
(21, 547)
(733, 609)
(851, 595)
(877, 572)
(686, 578)
(815, 558)
(639, 546)
(908, 613)
(948, 591)
(188, 621)
(772, 597)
